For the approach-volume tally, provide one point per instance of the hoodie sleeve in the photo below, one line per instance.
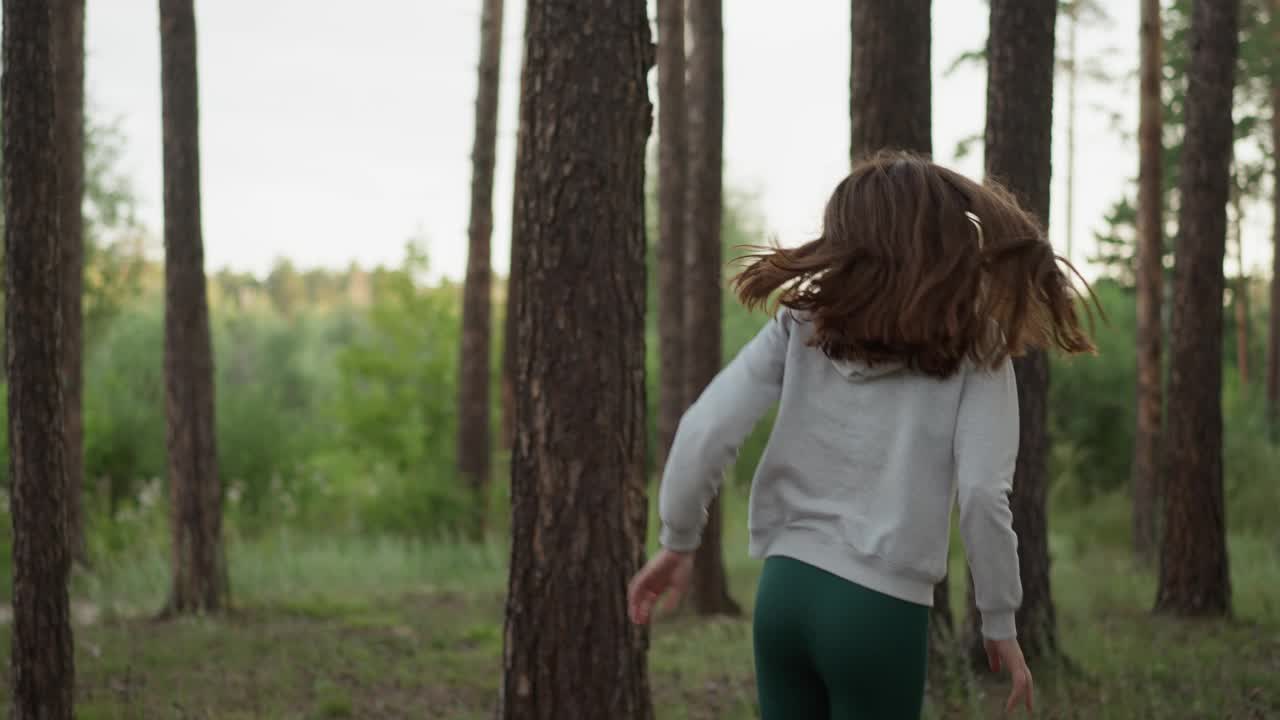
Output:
(986, 450)
(713, 428)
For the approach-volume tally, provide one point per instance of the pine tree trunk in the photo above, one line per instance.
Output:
(672, 189)
(1240, 297)
(702, 270)
(41, 673)
(1020, 57)
(68, 61)
(510, 346)
(1073, 82)
(1150, 276)
(579, 503)
(473, 366)
(1193, 555)
(1273, 332)
(890, 86)
(891, 106)
(200, 581)
(509, 349)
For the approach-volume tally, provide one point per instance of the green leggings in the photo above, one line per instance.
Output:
(828, 648)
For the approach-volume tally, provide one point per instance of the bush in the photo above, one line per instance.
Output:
(1092, 405)
(124, 431)
(397, 404)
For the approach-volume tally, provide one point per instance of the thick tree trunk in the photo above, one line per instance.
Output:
(200, 581)
(1150, 276)
(1020, 56)
(891, 106)
(578, 491)
(41, 673)
(672, 189)
(890, 86)
(68, 62)
(702, 270)
(473, 366)
(1193, 559)
(1273, 332)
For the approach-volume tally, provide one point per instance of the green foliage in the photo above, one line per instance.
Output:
(1250, 461)
(1093, 418)
(1092, 405)
(124, 431)
(397, 400)
(113, 236)
(269, 415)
(340, 419)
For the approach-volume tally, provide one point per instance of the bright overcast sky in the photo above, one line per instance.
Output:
(332, 134)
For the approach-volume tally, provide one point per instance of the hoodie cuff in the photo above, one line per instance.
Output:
(682, 541)
(999, 625)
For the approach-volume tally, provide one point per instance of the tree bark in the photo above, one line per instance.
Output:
(1194, 577)
(42, 670)
(473, 367)
(891, 106)
(672, 187)
(1273, 332)
(702, 270)
(68, 63)
(890, 85)
(200, 581)
(1020, 54)
(579, 503)
(1150, 277)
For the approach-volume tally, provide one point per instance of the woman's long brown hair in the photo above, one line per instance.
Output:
(920, 265)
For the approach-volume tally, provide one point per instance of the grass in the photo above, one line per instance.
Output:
(358, 628)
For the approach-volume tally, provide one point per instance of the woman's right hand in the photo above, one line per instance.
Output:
(1007, 654)
(666, 574)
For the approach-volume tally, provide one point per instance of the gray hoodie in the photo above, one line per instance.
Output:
(862, 468)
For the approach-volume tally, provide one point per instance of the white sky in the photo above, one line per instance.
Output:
(331, 134)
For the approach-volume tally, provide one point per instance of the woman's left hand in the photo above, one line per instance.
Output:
(667, 573)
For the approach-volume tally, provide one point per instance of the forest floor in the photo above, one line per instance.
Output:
(364, 629)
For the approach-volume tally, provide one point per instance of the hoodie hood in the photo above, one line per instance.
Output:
(858, 371)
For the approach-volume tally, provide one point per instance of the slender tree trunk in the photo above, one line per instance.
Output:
(510, 339)
(672, 188)
(509, 351)
(473, 367)
(1240, 298)
(1150, 277)
(579, 503)
(1073, 82)
(1194, 577)
(891, 106)
(702, 271)
(1273, 333)
(68, 61)
(1020, 54)
(199, 562)
(42, 667)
